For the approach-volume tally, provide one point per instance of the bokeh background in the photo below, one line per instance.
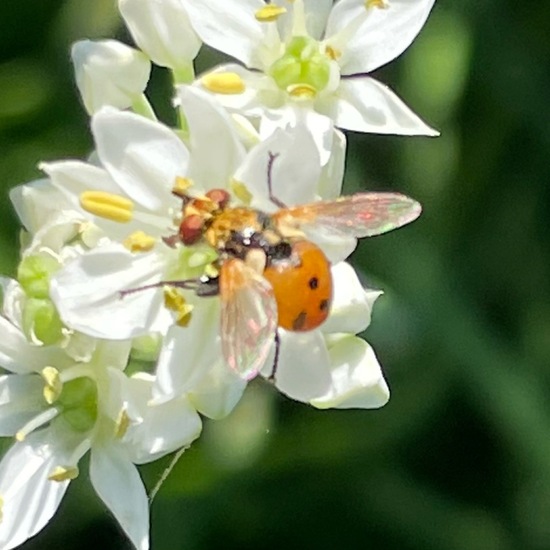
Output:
(460, 457)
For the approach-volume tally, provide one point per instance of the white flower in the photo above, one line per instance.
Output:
(163, 31)
(109, 73)
(142, 160)
(86, 290)
(305, 55)
(59, 409)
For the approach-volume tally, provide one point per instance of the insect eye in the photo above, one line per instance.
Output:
(280, 251)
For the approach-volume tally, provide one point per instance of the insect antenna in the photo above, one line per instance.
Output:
(272, 197)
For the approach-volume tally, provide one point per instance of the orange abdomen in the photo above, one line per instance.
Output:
(302, 285)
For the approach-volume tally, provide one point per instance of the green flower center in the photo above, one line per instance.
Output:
(34, 274)
(302, 67)
(40, 318)
(78, 403)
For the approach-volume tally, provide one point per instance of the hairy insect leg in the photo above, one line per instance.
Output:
(272, 197)
(271, 377)
(188, 284)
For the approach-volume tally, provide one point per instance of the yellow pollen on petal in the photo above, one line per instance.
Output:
(175, 302)
(54, 385)
(332, 53)
(107, 205)
(224, 83)
(122, 424)
(301, 91)
(380, 4)
(240, 190)
(138, 241)
(1, 509)
(181, 186)
(269, 13)
(62, 473)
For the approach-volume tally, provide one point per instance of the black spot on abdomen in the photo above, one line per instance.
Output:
(300, 321)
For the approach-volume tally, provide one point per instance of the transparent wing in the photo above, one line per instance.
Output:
(248, 317)
(360, 215)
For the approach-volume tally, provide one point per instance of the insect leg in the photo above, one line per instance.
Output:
(188, 284)
(276, 358)
(272, 197)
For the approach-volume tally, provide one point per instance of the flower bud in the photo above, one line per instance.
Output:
(109, 73)
(162, 30)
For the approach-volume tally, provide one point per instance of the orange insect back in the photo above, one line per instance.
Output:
(302, 284)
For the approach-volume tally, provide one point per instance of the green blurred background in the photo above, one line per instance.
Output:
(460, 457)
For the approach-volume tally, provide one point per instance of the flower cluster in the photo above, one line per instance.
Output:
(156, 275)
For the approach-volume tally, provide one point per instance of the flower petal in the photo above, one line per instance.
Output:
(216, 149)
(383, 35)
(20, 400)
(162, 30)
(18, 355)
(191, 363)
(320, 127)
(117, 482)
(143, 157)
(35, 202)
(154, 429)
(365, 105)
(109, 73)
(229, 26)
(295, 173)
(87, 293)
(29, 498)
(357, 380)
(303, 367)
(351, 304)
(332, 175)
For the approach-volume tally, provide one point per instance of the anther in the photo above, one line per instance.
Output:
(380, 4)
(175, 302)
(269, 13)
(63, 473)
(224, 83)
(240, 190)
(54, 385)
(138, 241)
(122, 424)
(301, 91)
(107, 205)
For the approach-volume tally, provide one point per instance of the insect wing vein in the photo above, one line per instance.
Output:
(359, 215)
(248, 317)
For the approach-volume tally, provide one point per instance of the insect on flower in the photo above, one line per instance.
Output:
(268, 274)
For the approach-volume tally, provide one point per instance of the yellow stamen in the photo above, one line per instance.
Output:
(301, 91)
(224, 83)
(240, 190)
(138, 241)
(332, 53)
(181, 185)
(269, 13)
(175, 302)
(62, 473)
(380, 4)
(122, 424)
(54, 385)
(107, 205)
(1, 509)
